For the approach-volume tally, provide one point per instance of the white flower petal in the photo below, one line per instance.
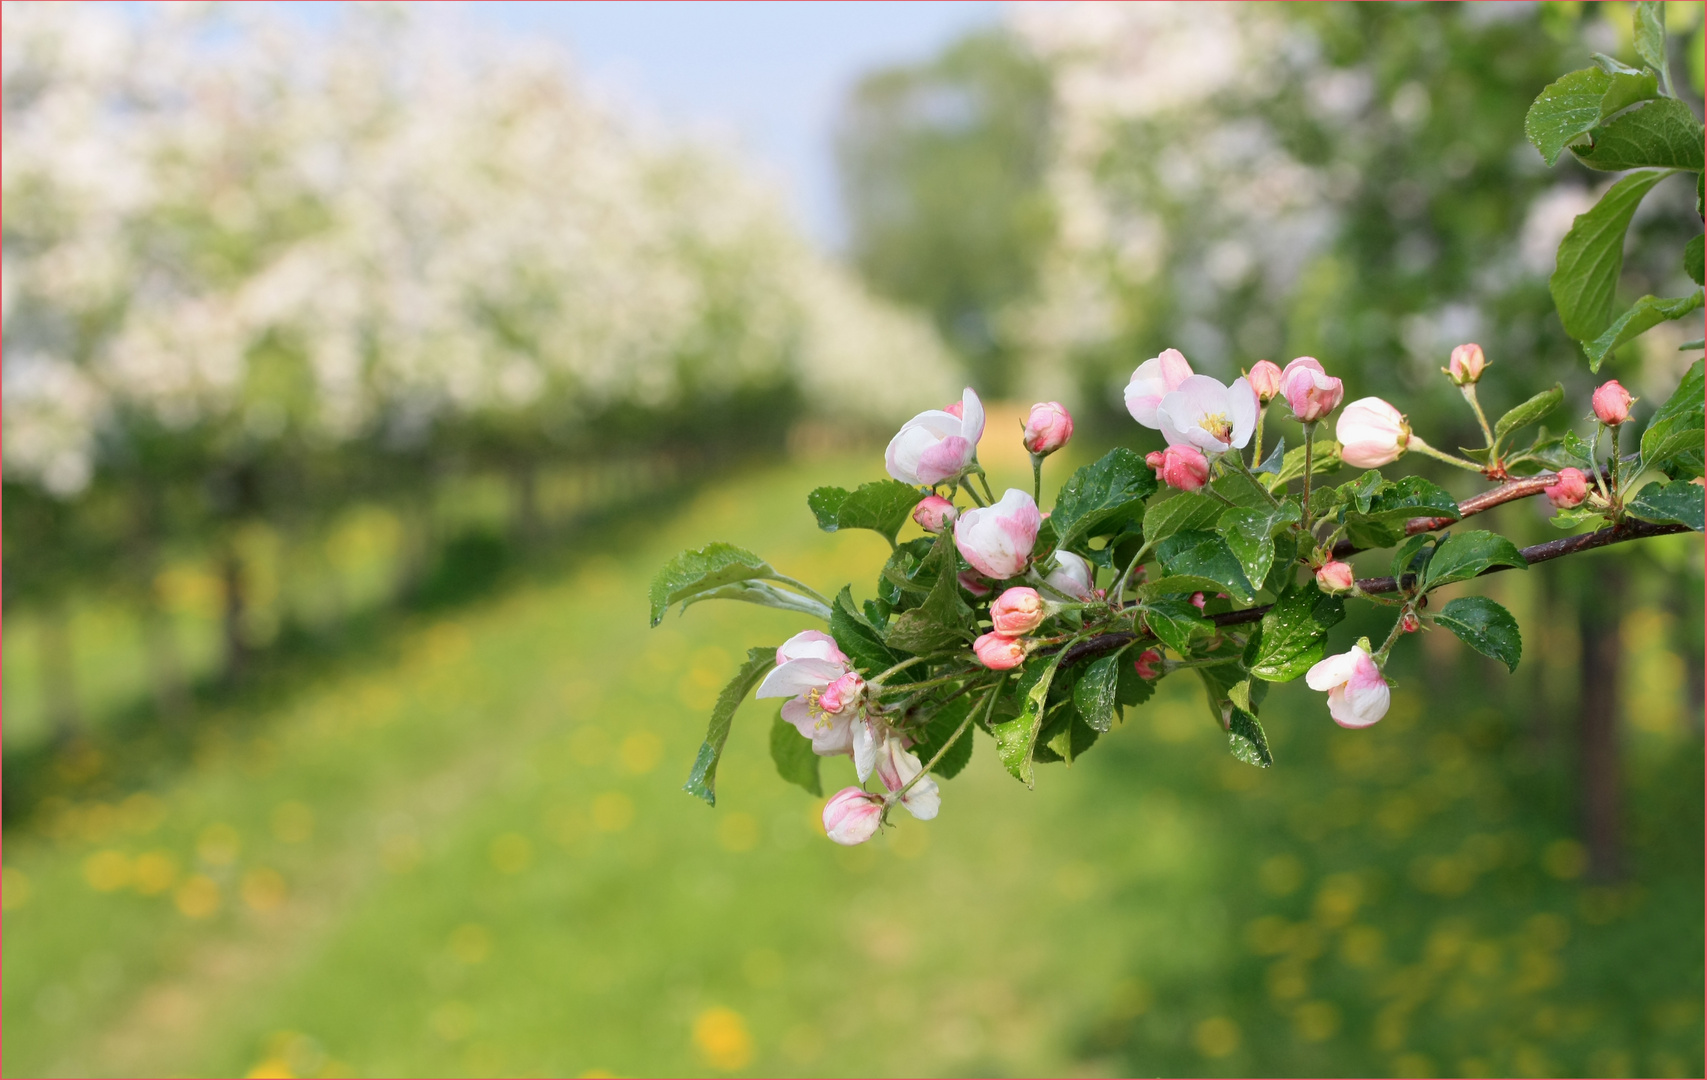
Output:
(798, 676)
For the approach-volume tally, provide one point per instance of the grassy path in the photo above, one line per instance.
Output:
(473, 856)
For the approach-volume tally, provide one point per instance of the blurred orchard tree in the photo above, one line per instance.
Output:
(942, 166)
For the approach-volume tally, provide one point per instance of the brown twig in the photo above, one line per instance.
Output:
(1510, 491)
(1536, 553)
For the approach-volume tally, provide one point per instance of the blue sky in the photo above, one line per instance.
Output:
(766, 75)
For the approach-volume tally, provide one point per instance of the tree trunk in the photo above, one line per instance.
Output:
(58, 673)
(526, 525)
(1597, 720)
(237, 653)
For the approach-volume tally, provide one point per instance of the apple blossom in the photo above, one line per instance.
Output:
(997, 540)
(1072, 576)
(934, 513)
(937, 445)
(1612, 403)
(852, 816)
(1569, 490)
(1264, 378)
(825, 692)
(896, 767)
(1310, 391)
(1048, 427)
(1147, 664)
(1017, 612)
(1183, 467)
(1371, 433)
(1205, 414)
(1334, 576)
(999, 653)
(1465, 366)
(1357, 694)
(1155, 379)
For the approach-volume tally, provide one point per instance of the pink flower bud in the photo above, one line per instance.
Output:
(1017, 612)
(852, 816)
(934, 513)
(1612, 403)
(1264, 378)
(1197, 601)
(1334, 576)
(1409, 623)
(1181, 466)
(1310, 391)
(1371, 433)
(973, 583)
(841, 693)
(1569, 490)
(1465, 367)
(999, 653)
(1072, 576)
(1146, 663)
(1048, 427)
(997, 540)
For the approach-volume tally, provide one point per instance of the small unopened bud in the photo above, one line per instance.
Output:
(1465, 367)
(998, 652)
(1409, 623)
(1183, 467)
(934, 513)
(1612, 403)
(1264, 378)
(1147, 664)
(1310, 391)
(1335, 576)
(974, 583)
(852, 816)
(1569, 490)
(1197, 600)
(1048, 427)
(1017, 612)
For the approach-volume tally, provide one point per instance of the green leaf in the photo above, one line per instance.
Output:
(1132, 689)
(1241, 490)
(1174, 621)
(1464, 555)
(941, 622)
(1568, 108)
(1187, 510)
(795, 761)
(1485, 626)
(1644, 315)
(1275, 460)
(1398, 503)
(702, 781)
(940, 729)
(1095, 694)
(1294, 632)
(1527, 413)
(1651, 35)
(1412, 555)
(1205, 556)
(1016, 738)
(1101, 496)
(1592, 255)
(1575, 518)
(883, 507)
(762, 593)
(1249, 532)
(1679, 502)
(858, 637)
(1326, 460)
(1662, 134)
(1692, 259)
(1576, 103)
(1676, 429)
(1246, 738)
(710, 567)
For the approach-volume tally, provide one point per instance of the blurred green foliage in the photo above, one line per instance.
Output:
(467, 852)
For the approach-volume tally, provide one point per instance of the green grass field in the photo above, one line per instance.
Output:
(468, 853)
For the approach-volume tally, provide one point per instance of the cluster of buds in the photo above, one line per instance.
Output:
(1015, 613)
